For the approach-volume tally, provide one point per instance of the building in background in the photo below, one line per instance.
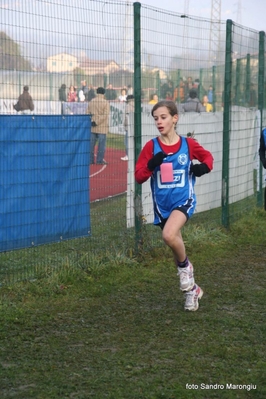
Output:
(98, 67)
(61, 62)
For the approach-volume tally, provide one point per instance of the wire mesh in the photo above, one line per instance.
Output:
(245, 121)
(52, 45)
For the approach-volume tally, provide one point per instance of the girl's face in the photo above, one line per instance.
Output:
(164, 121)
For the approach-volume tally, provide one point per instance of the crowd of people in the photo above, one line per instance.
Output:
(87, 93)
(84, 93)
(189, 95)
(185, 94)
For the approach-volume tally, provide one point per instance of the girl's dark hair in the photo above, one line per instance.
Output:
(170, 105)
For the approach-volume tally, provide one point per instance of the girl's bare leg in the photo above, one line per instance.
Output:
(173, 238)
(172, 235)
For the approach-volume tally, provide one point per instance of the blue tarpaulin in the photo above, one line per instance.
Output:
(44, 179)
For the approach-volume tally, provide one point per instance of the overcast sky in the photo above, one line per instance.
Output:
(252, 13)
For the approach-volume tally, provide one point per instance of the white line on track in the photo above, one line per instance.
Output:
(99, 171)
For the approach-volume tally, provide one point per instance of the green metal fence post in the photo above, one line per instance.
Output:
(237, 87)
(261, 105)
(200, 93)
(248, 81)
(158, 83)
(214, 88)
(226, 123)
(137, 120)
(105, 80)
(177, 84)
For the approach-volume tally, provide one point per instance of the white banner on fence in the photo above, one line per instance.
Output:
(40, 107)
(117, 111)
(208, 129)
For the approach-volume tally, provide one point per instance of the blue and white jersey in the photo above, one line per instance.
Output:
(180, 192)
(264, 136)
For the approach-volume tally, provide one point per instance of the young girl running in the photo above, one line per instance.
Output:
(167, 160)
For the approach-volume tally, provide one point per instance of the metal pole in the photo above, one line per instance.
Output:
(137, 120)
(260, 107)
(226, 124)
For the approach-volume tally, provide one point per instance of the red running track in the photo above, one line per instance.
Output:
(111, 179)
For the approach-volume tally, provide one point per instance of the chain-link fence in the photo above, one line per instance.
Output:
(127, 49)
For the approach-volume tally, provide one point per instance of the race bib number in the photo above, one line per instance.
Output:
(167, 175)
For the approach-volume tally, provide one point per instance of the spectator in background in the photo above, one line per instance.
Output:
(206, 104)
(81, 97)
(168, 96)
(210, 95)
(167, 88)
(72, 95)
(129, 90)
(130, 108)
(196, 85)
(26, 105)
(163, 90)
(83, 91)
(110, 93)
(188, 86)
(123, 96)
(199, 88)
(62, 93)
(154, 99)
(99, 108)
(179, 92)
(192, 104)
(91, 93)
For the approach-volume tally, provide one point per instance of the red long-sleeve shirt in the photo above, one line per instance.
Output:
(196, 151)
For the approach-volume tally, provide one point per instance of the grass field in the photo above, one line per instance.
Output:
(116, 328)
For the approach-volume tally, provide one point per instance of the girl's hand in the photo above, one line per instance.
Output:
(157, 160)
(199, 169)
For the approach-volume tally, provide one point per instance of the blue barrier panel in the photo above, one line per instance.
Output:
(44, 179)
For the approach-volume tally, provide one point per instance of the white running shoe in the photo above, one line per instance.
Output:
(124, 158)
(192, 298)
(186, 277)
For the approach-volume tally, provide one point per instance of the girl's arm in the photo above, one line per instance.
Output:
(142, 173)
(198, 152)
(262, 151)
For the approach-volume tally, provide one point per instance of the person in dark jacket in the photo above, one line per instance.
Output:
(62, 93)
(192, 104)
(110, 93)
(91, 93)
(26, 105)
